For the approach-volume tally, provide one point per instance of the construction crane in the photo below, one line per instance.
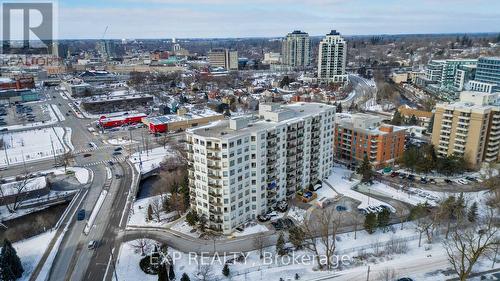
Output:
(104, 33)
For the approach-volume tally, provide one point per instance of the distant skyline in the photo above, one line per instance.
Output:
(141, 19)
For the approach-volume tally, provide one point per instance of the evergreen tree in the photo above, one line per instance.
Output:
(339, 108)
(370, 222)
(150, 213)
(162, 273)
(185, 277)
(202, 224)
(225, 270)
(192, 218)
(171, 272)
(365, 170)
(397, 119)
(280, 245)
(10, 264)
(383, 219)
(296, 236)
(413, 121)
(472, 214)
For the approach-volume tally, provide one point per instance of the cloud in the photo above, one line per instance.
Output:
(238, 18)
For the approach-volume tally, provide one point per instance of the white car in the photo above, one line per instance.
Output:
(463, 181)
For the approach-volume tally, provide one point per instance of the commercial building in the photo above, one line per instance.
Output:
(487, 76)
(117, 121)
(225, 58)
(469, 128)
(17, 96)
(272, 58)
(296, 49)
(359, 135)
(181, 121)
(114, 102)
(242, 167)
(448, 77)
(332, 58)
(17, 82)
(77, 88)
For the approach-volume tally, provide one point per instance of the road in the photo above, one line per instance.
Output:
(73, 260)
(362, 91)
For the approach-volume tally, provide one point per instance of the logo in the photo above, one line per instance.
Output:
(27, 28)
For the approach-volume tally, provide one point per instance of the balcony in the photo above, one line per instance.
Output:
(214, 176)
(214, 185)
(213, 157)
(214, 149)
(214, 211)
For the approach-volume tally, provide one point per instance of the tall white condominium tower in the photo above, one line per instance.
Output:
(296, 49)
(242, 167)
(332, 58)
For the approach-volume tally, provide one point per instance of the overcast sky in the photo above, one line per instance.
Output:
(255, 18)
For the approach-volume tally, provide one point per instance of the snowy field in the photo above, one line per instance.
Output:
(32, 145)
(150, 160)
(138, 215)
(31, 250)
(342, 184)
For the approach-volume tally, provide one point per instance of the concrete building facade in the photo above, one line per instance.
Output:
(296, 49)
(332, 58)
(242, 167)
(469, 128)
(225, 58)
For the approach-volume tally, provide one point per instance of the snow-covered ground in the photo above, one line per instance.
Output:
(138, 215)
(251, 229)
(28, 185)
(419, 263)
(297, 214)
(32, 145)
(31, 250)
(183, 227)
(119, 141)
(341, 182)
(384, 190)
(150, 160)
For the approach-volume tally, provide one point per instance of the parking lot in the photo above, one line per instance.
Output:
(22, 114)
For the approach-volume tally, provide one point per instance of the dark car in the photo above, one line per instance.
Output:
(340, 208)
(111, 163)
(447, 181)
(118, 148)
(405, 279)
(80, 215)
(117, 153)
(87, 155)
(411, 177)
(394, 174)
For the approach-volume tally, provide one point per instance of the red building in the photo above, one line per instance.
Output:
(18, 83)
(116, 121)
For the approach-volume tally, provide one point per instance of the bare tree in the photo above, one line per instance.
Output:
(468, 245)
(177, 203)
(387, 274)
(16, 191)
(157, 208)
(163, 140)
(492, 182)
(258, 242)
(321, 235)
(205, 273)
(141, 245)
(65, 159)
(357, 220)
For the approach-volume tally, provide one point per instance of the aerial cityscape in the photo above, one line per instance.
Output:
(249, 140)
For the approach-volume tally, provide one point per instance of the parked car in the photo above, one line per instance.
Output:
(340, 208)
(447, 181)
(80, 215)
(394, 174)
(282, 206)
(469, 178)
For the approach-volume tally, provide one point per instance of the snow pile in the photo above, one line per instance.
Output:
(297, 214)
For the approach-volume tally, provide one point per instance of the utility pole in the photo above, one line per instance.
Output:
(6, 156)
(368, 274)
(53, 151)
(114, 263)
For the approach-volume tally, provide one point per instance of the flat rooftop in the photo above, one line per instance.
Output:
(296, 112)
(187, 116)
